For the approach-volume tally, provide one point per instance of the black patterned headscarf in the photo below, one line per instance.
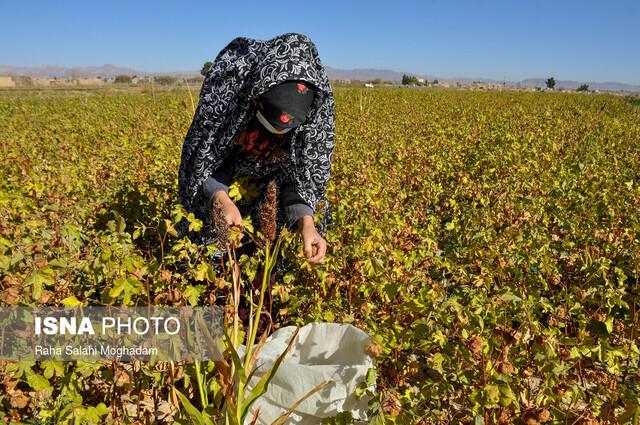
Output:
(241, 72)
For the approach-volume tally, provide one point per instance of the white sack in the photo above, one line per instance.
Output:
(322, 351)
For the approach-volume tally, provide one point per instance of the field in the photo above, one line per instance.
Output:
(489, 241)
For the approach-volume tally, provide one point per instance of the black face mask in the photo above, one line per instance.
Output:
(286, 105)
(266, 124)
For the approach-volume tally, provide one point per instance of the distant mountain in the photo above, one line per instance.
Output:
(179, 74)
(51, 71)
(333, 73)
(112, 71)
(572, 85)
(107, 71)
(369, 74)
(388, 75)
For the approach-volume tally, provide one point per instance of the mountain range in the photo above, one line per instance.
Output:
(109, 71)
(106, 71)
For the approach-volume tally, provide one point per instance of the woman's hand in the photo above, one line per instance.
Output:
(314, 245)
(230, 212)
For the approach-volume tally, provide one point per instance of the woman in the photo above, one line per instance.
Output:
(266, 112)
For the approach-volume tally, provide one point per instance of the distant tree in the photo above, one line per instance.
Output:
(205, 68)
(125, 79)
(435, 82)
(583, 87)
(406, 80)
(551, 83)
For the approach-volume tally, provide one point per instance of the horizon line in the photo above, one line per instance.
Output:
(339, 69)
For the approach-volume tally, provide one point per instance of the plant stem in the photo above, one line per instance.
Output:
(256, 320)
(201, 385)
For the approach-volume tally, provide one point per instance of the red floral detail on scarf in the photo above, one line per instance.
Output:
(249, 139)
(285, 118)
(253, 136)
(261, 145)
(302, 88)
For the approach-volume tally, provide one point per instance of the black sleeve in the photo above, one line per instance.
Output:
(294, 206)
(219, 180)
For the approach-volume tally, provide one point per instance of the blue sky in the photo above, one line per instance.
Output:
(579, 40)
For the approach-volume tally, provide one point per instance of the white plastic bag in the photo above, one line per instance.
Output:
(322, 351)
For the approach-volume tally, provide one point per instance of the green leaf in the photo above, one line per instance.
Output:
(71, 301)
(38, 279)
(492, 393)
(205, 271)
(170, 228)
(510, 297)
(91, 416)
(52, 368)
(128, 286)
(194, 414)
(102, 409)
(234, 192)
(609, 325)
(38, 382)
(195, 225)
(193, 293)
(248, 224)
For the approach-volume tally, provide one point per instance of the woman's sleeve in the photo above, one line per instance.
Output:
(294, 206)
(220, 180)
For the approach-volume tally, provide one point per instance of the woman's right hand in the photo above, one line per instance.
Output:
(230, 212)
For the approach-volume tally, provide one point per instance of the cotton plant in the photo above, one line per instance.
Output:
(238, 363)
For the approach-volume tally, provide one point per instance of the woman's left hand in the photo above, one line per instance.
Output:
(314, 245)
